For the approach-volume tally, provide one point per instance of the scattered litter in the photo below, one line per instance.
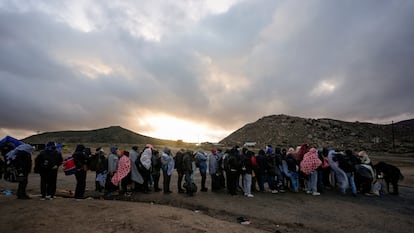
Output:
(7, 192)
(243, 220)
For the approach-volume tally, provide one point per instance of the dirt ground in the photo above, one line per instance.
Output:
(209, 212)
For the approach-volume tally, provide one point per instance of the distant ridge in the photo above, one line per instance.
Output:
(109, 135)
(290, 131)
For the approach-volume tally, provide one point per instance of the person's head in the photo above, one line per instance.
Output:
(135, 148)
(51, 146)
(80, 148)
(213, 151)
(167, 150)
(269, 149)
(114, 149)
(261, 152)
(362, 154)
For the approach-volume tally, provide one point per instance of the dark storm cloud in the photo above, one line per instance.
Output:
(346, 60)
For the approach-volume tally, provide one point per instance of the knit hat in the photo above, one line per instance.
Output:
(167, 150)
(114, 149)
(50, 146)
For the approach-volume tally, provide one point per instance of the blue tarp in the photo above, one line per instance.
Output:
(10, 139)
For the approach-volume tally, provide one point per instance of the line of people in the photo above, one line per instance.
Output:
(237, 169)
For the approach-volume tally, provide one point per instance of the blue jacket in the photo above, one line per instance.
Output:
(202, 158)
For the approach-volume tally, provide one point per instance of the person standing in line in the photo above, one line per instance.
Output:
(47, 164)
(201, 157)
(178, 163)
(233, 170)
(146, 162)
(292, 170)
(136, 177)
(122, 174)
(188, 161)
(23, 163)
(101, 169)
(156, 170)
(167, 162)
(81, 162)
(113, 159)
(213, 165)
(309, 165)
(247, 169)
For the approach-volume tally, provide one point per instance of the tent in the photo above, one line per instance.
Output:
(7, 141)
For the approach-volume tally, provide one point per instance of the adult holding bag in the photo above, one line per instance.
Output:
(47, 164)
(23, 164)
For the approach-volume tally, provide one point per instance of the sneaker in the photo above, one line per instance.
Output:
(274, 191)
(48, 197)
(250, 195)
(316, 194)
(308, 192)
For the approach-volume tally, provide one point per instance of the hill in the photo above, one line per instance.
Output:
(110, 135)
(289, 131)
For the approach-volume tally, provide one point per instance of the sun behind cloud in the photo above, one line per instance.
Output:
(172, 128)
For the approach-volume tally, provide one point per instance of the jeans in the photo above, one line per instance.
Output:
(247, 183)
(294, 181)
(313, 181)
(351, 182)
(270, 179)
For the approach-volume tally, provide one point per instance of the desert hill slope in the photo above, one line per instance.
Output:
(290, 131)
(112, 135)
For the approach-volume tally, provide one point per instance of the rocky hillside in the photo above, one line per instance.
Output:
(112, 135)
(289, 131)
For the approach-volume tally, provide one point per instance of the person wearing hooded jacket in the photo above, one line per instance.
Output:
(201, 157)
(113, 160)
(81, 162)
(146, 161)
(47, 164)
(167, 166)
(23, 164)
(136, 176)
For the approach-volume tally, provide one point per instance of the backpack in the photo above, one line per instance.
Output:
(253, 161)
(11, 170)
(69, 166)
(139, 165)
(197, 161)
(345, 163)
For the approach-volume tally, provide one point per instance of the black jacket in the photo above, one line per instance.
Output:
(23, 162)
(48, 159)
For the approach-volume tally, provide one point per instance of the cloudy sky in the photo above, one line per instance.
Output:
(198, 70)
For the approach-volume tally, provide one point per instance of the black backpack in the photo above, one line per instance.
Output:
(345, 163)
(139, 165)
